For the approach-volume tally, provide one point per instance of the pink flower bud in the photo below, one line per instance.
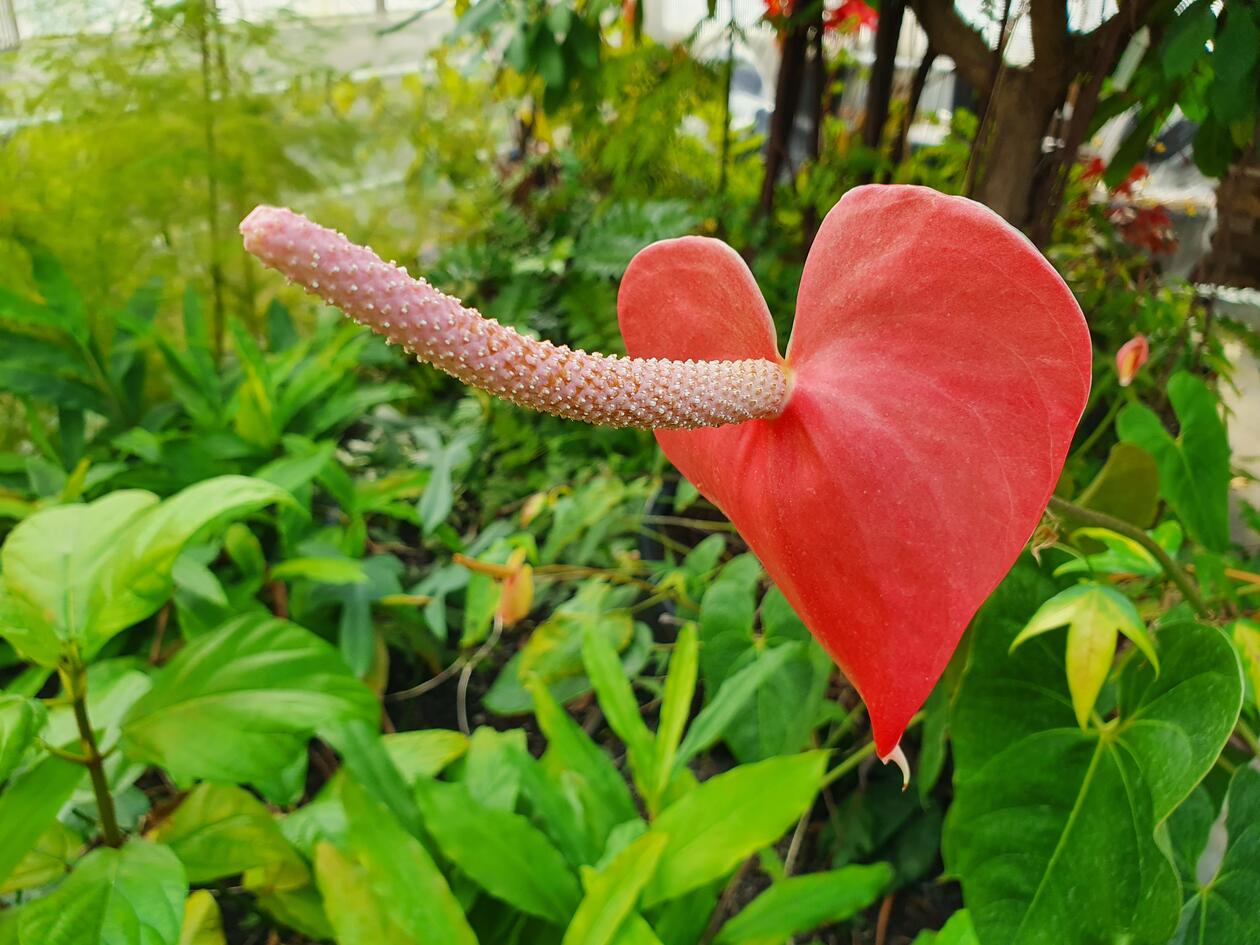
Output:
(1131, 356)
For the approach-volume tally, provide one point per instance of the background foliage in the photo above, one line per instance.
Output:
(302, 644)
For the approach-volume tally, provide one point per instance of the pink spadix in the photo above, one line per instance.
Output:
(886, 472)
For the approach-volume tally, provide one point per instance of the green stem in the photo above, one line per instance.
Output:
(75, 682)
(849, 763)
(1177, 574)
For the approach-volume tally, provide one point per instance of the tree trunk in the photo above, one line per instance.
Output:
(787, 100)
(879, 91)
(1007, 167)
(901, 147)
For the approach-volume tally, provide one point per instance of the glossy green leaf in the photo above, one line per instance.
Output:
(29, 804)
(1052, 829)
(1186, 41)
(729, 817)
(1226, 908)
(239, 704)
(612, 892)
(220, 830)
(1193, 468)
(321, 570)
(680, 689)
(203, 923)
(800, 904)
(20, 721)
(500, 851)
(353, 905)
(131, 896)
(1093, 614)
(405, 883)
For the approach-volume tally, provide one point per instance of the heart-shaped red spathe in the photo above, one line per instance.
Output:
(939, 368)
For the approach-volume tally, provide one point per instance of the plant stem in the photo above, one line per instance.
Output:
(1103, 425)
(1175, 572)
(1248, 736)
(75, 682)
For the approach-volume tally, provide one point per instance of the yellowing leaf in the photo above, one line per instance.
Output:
(1246, 636)
(203, 924)
(1093, 614)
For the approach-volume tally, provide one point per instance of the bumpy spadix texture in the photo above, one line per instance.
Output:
(940, 367)
(437, 329)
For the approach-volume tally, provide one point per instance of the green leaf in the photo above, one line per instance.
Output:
(729, 817)
(957, 931)
(500, 851)
(1093, 613)
(29, 804)
(131, 896)
(135, 580)
(802, 903)
(680, 689)
(1123, 555)
(1052, 829)
(611, 893)
(408, 891)
(50, 563)
(203, 924)
(1127, 486)
(239, 704)
(20, 721)
(616, 698)
(1186, 41)
(1193, 468)
(1226, 908)
(221, 830)
(47, 861)
(732, 699)
(604, 794)
(321, 570)
(425, 753)
(76, 575)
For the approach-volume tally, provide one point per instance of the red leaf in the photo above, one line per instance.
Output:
(940, 368)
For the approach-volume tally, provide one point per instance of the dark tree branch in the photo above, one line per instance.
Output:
(1050, 36)
(951, 34)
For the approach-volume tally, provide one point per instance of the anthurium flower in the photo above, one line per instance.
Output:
(1130, 358)
(886, 471)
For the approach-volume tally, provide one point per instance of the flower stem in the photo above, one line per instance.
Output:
(1175, 572)
(75, 682)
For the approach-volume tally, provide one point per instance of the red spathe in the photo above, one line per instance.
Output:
(940, 367)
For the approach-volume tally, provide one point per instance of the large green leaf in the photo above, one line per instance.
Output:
(1226, 908)
(680, 689)
(714, 827)
(406, 889)
(50, 565)
(135, 580)
(29, 804)
(1194, 467)
(802, 903)
(611, 893)
(131, 896)
(1052, 830)
(239, 704)
(500, 851)
(617, 700)
(75, 575)
(221, 830)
